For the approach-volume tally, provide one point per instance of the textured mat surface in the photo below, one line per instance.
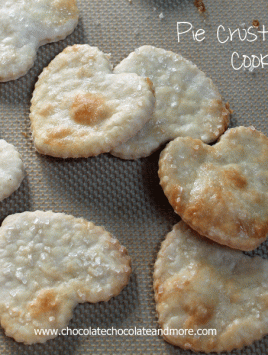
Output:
(124, 196)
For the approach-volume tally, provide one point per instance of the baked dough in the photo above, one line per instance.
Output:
(221, 191)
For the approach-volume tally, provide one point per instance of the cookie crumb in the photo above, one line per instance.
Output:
(256, 23)
(200, 5)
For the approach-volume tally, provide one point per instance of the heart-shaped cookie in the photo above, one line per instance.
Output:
(49, 263)
(221, 191)
(26, 25)
(209, 297)
(187, 102)
(81, 109)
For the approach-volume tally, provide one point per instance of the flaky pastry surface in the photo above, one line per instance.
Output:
(202, 285)
(187, 102)
(12, 170)
(81, 109)
(221, 191)
(50, 262)
(28, 24)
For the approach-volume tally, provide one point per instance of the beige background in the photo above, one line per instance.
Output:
(124, 196)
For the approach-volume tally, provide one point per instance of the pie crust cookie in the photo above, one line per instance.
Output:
(221, 191)
(204, 286)
(187, 102)
(27, 25)
(50, 262)
(81, 109)
(12, 169)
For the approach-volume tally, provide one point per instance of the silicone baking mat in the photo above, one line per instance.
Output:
(125, 196)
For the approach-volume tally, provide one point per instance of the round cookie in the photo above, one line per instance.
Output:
(26, 25)
(81, 109)
(187, 102)
(12, 169)
(221, 191)
(209, 298)
(50, 262)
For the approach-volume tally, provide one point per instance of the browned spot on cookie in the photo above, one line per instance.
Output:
(45, 302)
(198, 310)
(254, 228)
(232, 291)
(88, 109)
(82, 72)
(235, 178)
(261, 230)
(151, 85)
(45, 110)
(264, 299)
(74, 48)
(217, 107)
(156, 288)
(175, 197)
(235, 297)
(199, 313)
(227, 106)
(66, 5)
(59, 133)
(198, 210)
